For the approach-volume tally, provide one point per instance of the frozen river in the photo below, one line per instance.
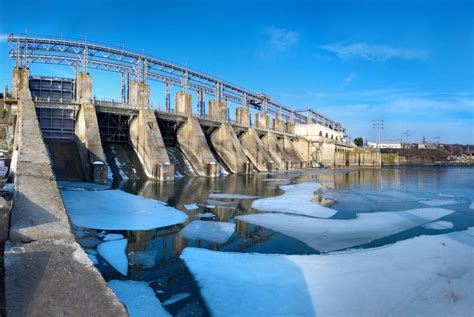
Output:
(368, 242)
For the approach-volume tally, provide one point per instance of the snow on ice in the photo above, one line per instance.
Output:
(335, 234)
(423, 276)
(191, 206)
(439, 225)
(138, 297)
(212, 231)
(118, 210)
(114, 253)
(297, 199)
(439, 202)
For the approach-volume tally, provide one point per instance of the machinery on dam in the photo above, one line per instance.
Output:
(161, 144)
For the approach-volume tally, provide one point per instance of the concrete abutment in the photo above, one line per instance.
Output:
(46, 272)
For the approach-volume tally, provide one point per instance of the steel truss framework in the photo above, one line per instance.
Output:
(83, 55)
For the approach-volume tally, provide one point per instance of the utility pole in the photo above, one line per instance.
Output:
(407, 135)
(378, 127)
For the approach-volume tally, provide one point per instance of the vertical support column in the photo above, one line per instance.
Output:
(20, 80)
(262, 121)
(87, 134)
(168, 98)
(139, 95)
(242, 116)
(124, 75)
(217, 110)
(183, 103)
(201, 104)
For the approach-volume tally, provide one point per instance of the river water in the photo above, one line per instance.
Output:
(153, 255)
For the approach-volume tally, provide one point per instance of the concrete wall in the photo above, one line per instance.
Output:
(146, 139)
(275, 150)
(306, 150)
(46, 272)
(262, 121)
(139, 94)
(217, 110)
(242, 116)
(228, 147)
(87, 134)
(292, 155)
(183, 103)
(87, 137)
(278, 125)
(256, 151)
(194, 145)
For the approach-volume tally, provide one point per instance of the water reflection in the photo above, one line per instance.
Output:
(154, 254)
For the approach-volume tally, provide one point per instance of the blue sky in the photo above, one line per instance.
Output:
(410, 63)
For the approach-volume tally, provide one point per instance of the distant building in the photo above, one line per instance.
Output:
(387, 145)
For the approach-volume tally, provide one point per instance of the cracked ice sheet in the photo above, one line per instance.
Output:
(113, 252)
(423, 276)
(439, 202)
(212, 231)
(297, 199)
(118, 210)
(439, 225)
(138, 297)
(334, 234)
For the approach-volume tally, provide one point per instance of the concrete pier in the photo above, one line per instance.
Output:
(256, 151)
(262, 121)
(275, 150)
(87, 134)
(279, 125)
(46, 272)
(183, 104)
(228, 147)
(217, 110)
(193, 143)
(242, 116)
(146, 139)
(293, 158)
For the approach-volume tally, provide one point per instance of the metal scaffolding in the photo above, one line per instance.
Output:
(84, 55)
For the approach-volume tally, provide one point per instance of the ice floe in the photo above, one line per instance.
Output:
(212, 231)
(297, 199)
(118, 210)
(176, 298)
(138, 297)
(439, 202)
(218, 202)
(191, 206)
(335, 234)
(439, 225)
(232, 196)
(113, 236)
(205, 215)
(423, 276)
(114, 253)
(93, 258)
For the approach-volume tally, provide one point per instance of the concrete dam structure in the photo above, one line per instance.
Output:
(60, 132)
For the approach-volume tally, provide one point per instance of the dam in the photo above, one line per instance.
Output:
(55, 130)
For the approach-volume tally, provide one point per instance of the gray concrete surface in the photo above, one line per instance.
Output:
(54, 277)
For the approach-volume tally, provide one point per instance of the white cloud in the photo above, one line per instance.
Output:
(375, 53)
(349, 78)
(281, 39)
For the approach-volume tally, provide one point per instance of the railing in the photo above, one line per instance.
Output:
(84, 54)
